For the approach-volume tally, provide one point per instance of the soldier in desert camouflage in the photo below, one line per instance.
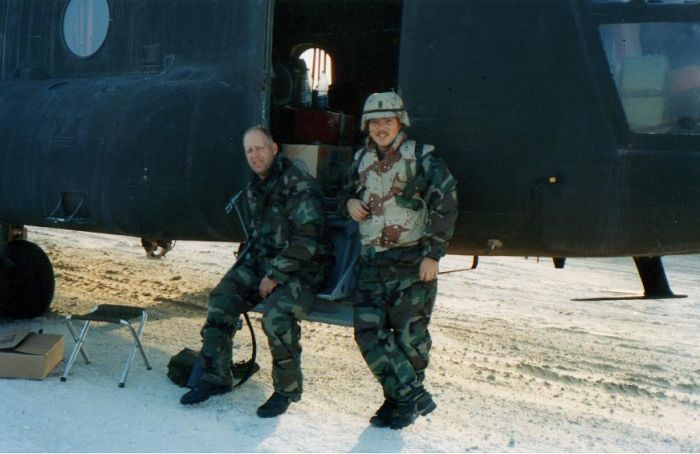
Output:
(283, 266)
(405, 201)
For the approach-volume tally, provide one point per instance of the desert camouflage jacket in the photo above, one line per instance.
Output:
(431, 189)
(285, 221)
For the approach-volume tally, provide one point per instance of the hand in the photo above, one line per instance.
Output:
(428, 269)
(358, 209)
(267, 285)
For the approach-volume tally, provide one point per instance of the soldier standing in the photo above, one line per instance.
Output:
(405, 201)
(282, 267)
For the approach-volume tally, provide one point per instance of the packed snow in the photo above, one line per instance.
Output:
(520, 362)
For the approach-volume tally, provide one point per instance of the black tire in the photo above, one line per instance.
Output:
(27, 281)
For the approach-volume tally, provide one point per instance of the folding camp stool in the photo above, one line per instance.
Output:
(108, 313)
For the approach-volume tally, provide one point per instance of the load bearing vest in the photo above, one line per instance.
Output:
(391, 223)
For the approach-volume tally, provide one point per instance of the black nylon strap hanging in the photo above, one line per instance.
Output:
(250, 366)
(244, 369)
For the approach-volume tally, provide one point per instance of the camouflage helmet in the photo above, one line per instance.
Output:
(383, 105)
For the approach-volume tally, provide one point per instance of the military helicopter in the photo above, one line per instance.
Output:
(571, 125)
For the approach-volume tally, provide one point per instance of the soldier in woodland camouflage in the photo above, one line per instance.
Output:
(405, 201)
(282, 267)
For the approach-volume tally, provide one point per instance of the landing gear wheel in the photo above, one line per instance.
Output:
(26, 280)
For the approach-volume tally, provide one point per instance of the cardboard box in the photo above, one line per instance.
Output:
(318, 157)
(29, 355)
(327, 163)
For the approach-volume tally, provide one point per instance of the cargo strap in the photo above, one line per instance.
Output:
(249, 367)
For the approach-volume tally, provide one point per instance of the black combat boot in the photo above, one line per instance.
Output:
(425, 403)
(203, 391)
(403, 415)
(382, 417)
(276, 405)
(417, 403)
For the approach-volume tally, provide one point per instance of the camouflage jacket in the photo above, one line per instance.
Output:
(285, 221)
(431, 189)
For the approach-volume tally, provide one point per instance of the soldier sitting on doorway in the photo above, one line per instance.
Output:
(283, 265)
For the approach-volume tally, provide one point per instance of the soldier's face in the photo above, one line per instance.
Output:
(384, 130)
(259, 153)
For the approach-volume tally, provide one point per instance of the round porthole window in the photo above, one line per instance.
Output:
(85, 25)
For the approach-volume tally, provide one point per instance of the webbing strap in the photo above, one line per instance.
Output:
(414, 182)
(250, 364)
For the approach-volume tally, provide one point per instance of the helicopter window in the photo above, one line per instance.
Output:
(656, 69)
(85, 25)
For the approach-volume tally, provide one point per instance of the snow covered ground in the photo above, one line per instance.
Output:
(516, 366)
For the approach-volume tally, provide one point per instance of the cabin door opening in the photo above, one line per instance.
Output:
(327, 57)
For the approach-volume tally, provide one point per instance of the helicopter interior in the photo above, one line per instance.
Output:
(316, 42)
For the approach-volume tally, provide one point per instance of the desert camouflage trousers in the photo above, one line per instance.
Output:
(238, 292)
(392, 311)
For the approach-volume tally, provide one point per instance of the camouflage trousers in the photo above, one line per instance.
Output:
(392, 311)
(238, 292)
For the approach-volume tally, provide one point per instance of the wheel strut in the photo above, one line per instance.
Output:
(651, 272)
(653, 276)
